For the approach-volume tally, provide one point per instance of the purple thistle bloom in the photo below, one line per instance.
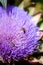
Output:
(18, 34)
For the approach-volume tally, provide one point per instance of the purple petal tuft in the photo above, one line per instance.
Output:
(18, 34)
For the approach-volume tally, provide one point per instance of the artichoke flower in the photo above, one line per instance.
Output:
(18, 34)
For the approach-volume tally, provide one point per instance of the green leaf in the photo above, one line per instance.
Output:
(26, 3)
(21, 5)
(41, 26)
(4, 3)
(38, 8)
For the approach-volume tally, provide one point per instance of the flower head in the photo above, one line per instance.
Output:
(18, 34)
